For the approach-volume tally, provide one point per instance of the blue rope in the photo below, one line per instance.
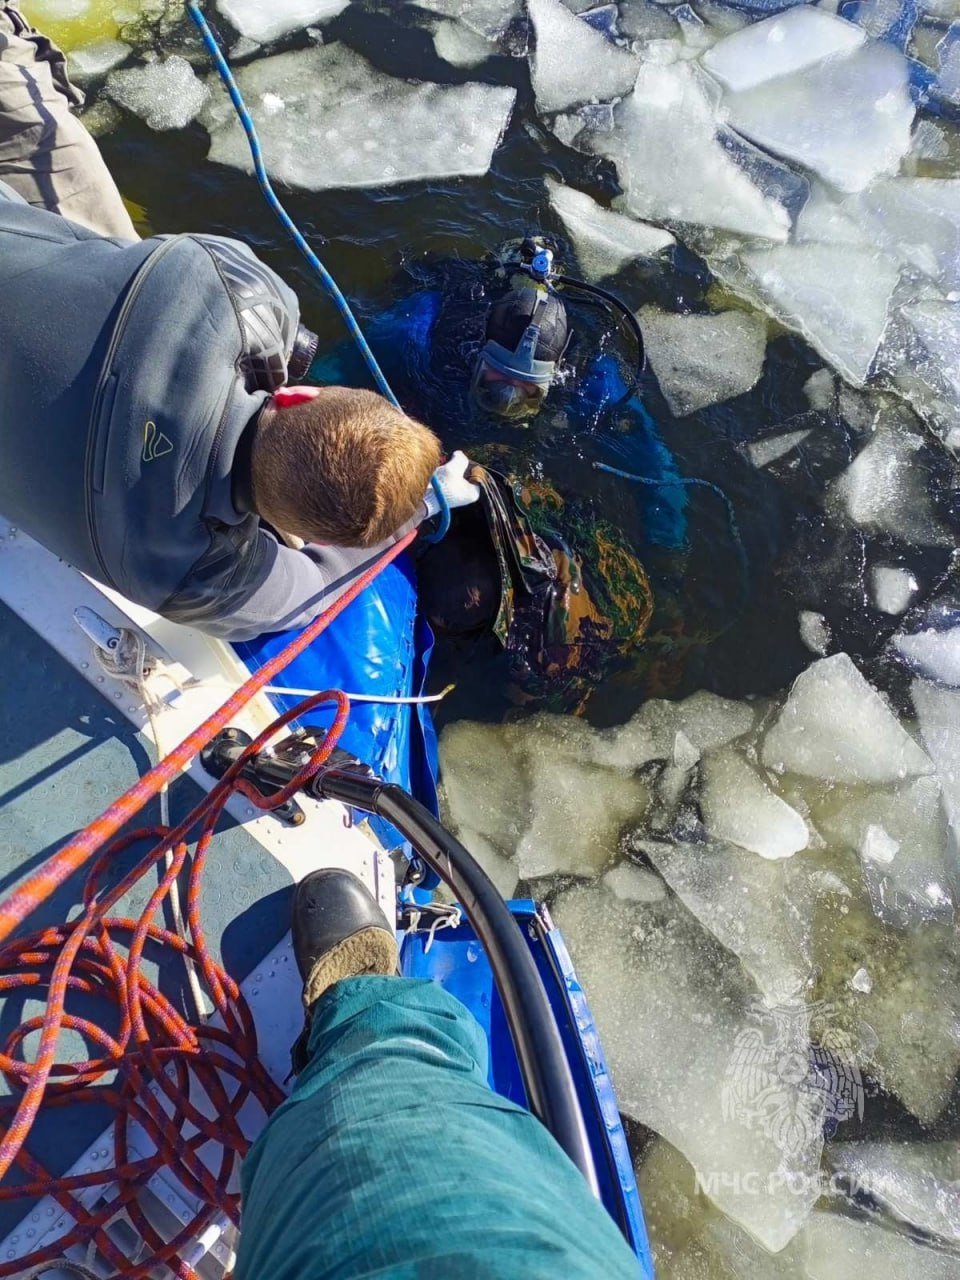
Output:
(326, 279)
(443, 528)
(689, 482)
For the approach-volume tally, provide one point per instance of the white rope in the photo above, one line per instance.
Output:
(280, 692)
(446, 915)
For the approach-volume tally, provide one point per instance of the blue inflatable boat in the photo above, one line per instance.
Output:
(531, 1006)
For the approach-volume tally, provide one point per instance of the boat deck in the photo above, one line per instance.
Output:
(69, 745)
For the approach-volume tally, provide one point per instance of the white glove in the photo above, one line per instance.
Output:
(454, 485)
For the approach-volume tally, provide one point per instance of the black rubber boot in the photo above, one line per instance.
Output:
(339, 932)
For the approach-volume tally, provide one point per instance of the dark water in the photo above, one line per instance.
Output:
(714, 628)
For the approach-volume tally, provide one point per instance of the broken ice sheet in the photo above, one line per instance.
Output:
(902, 839)
(363, 128)
(577, 813)
(907, 1027)
(604, 241)
(671, 165)
(530, 790)
(836, 295)
(166, 94)
(919, 219)
(693, 1241)
(738, 806)
(835, 726)
(932, 653)
(484, 785)
(705, 720)
(847, 119)
(837, 1247)
(631, 883)
(461, 47)
(938, 714)
(572, 62)
(815, 631)
(918, 1182)
(501, 869)
(780, 46)
(486, 18)
(655, 979)
(264, 22)
(758, 909)
(887, 486)
(893, 588)
(90, 61)
(701, 360)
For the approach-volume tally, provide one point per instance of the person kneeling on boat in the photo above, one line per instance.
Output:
(147, 432)
(392, 1157)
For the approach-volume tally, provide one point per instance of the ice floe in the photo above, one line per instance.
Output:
(701, 360)
(409, 131)
(917, 1182)
(90, 61)
(887, 489)
(572, 62)
(486, 18)
(893, 588)
(780, 46)
(738, 806)
(266, 22)
(650, 968)
(673, 167)
(919, 219)
(902, 839)
(835, 726)
(837, 295)
(759, 910)
(862, 136)
(766, 451)
(907, 1026)
(166, 94)
(815, 630)
(604, 241)
(932, 653)
(460, 46)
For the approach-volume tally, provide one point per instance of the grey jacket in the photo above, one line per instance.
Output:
(128, 374)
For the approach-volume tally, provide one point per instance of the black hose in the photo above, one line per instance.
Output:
(610, 301)
(619, 305)
(546, 1074)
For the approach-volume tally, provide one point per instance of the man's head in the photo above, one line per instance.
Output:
(339, 466)
(526, 336)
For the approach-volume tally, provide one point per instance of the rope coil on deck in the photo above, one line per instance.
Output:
(156, 1055)
(162, 1062)
(157, 1058)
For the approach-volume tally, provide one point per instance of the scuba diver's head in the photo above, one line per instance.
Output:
(526, 335)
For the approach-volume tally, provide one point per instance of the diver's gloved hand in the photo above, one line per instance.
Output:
(456, 488)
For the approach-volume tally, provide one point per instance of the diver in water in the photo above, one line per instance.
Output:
(492, 355)
(504, 349)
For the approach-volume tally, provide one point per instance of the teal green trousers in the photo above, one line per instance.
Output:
(393, 1158)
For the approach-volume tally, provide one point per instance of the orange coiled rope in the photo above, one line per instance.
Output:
(156, 1055)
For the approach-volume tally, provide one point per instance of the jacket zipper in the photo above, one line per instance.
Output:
(105, 373)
